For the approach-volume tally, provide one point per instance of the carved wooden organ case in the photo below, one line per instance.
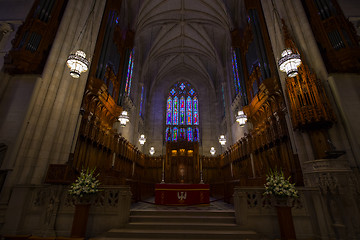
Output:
(103, 94)
(268, 144)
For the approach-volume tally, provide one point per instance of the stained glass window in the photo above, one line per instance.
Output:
(175, 111)
(196, 112)
(168, 134)
(190, 134)
(235, 72)
(169, 111)
(196, 134)
(129, 73)
(141, 100)
(189, 110)
(182, 134)
(182, 113)
(182, 110)
(175, 134)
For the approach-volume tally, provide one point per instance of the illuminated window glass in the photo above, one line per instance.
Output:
(175, 134)
(196, 112)
(169, 111)
(182, 134)
(182, 113)
(168, 134)
(141, 100)
(196, 134)
(129, 73)
(175, 111)
(190, 134)
(235, 72)
(189, 110)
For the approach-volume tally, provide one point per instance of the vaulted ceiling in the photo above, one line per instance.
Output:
(187, 39)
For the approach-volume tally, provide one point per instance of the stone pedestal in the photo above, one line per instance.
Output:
(80, 220)
(286, 222)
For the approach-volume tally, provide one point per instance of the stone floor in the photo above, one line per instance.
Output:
(215, 205)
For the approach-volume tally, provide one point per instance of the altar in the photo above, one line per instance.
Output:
(182, 194)
(182, 173)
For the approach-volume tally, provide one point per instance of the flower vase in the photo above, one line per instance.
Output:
(81, 215)
(286, 223)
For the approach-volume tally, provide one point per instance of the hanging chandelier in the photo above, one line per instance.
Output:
(142, 139)
(77, 63)
(241, 118)
(289, 62)
(123, 118)
(222, 140)
(212, 151)
(152, 151)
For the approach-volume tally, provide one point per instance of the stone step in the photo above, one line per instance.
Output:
(182, 225)
(229, 213)
(171, 224)
(181, 219)
(179, 234)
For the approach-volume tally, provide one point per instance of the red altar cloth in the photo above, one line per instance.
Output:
(182, 194)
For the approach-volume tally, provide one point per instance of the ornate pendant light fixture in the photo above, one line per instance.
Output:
(241, 118)
(212, 151)
(77, 63)
(222, 140)
(289, 62)
(142, 139)
(290, 58)
(123, 118)
(152, 151)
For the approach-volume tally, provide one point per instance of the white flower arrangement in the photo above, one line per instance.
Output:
(276, 185)
(86, 184)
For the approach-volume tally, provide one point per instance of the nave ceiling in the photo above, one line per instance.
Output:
(182, 39)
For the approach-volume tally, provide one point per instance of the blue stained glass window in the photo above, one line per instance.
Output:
(175, 111)
(141, 99)
(188, 111)
(168, 134)
(129, 73)
(195, 111)
(196, 134)
(182, 113)
(169, 111)
(190, 134)
(175, 134)
(182, 134)
(182, 110)
(182, 86)
(235, 72)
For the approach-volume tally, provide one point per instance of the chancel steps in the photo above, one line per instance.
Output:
(181, 224)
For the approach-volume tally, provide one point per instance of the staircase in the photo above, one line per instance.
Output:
(181, 224)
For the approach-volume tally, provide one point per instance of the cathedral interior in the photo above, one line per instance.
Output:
(212, 92)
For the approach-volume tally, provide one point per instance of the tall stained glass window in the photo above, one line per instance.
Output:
(235, 72)
(182, 113)
(129, 73)
(141, 100)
